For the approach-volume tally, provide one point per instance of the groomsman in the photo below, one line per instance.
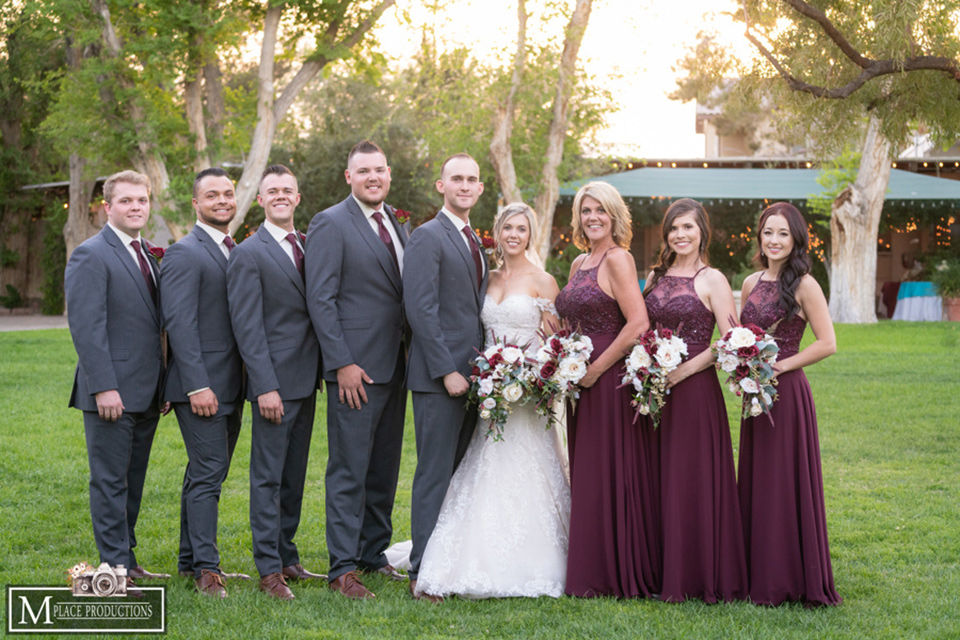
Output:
(204, 378)
(268, 308)
(443, 296)
(112, 287)
(354, 257)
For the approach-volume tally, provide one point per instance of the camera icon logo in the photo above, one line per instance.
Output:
(103, 581)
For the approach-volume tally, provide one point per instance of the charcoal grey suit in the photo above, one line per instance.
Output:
(203, 353)
(268, 308)
(355, 293)
(442, 301)
(115, 323)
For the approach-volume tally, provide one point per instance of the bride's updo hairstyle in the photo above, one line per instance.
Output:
(509, 211)
(609, 198)
(798, 262)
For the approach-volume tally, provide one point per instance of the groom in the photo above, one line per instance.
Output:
(443, 294)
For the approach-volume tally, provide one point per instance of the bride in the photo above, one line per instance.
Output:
(503, 527)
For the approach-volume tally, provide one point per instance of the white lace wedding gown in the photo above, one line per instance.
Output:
(504, 523)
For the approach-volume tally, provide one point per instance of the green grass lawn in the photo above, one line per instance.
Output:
(888, 406)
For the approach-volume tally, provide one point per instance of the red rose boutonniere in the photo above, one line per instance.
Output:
(157, 252)
(489, 245)
(403, 217)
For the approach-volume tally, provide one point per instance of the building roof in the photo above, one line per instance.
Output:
(757, 184)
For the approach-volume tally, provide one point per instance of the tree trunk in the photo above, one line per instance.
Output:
(270, 112)
(213, 89)
(501, 155)
(193, 104)
(78, 226)
(549, 192)
(145, 155)
(854, 228)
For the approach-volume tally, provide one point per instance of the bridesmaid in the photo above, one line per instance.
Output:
(614, 536)
(703, 550)
(781, 487)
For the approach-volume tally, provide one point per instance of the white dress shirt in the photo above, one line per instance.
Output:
(368, 212)
(460, 224)
(126, 239)
(280, 235)
(217, 236)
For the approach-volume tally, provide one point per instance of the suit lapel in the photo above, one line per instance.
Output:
(212, 248)
(121, 254)
(373, 241)
(399, 228)
(282, 259)
(455, 235)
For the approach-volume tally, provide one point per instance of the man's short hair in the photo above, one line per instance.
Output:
(276, 170)
(364, 146)
(212, 171)
(456, 156)
(128, 176)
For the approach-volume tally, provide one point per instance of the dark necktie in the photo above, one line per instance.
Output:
(475, 252)
(145, 270)
(385, 236)
(297, 252)
(229, 243)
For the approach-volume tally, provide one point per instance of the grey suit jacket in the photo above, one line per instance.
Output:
(268, 309)
(114, 323)
(354, 291)
(203, 351)
(443, 303)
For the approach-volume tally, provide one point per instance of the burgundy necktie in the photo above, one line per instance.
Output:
(475, 252)
(145, 270)
(297, 252)
(229, 243)
(385, 236)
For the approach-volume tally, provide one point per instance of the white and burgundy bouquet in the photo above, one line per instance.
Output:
(561, 364)
(658, 352)
(747, 354)
(499, 381)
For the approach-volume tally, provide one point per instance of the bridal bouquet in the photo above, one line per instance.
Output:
(747, 354)
(658, 352)
(499, 381)
(561, 363)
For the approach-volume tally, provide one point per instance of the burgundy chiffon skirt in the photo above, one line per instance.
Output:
(781, 497)
(703, 548)
(614, 519)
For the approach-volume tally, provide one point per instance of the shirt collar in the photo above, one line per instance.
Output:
(457, 222)
(367, 210)
(215, 234)
(275, 231)
(124, 237)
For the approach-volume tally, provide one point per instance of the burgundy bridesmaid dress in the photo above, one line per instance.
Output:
(781, 486)
(614, 521)
(703, 548)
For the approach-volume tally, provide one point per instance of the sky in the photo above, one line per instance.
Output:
(631, 46)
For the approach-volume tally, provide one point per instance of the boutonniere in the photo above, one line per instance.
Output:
(489, 245)
(157, 252)
(403, 217)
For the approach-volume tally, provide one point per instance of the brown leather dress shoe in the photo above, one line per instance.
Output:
(132, 590)
(275, 586)
(226, 576)
(210, 583)
(350, 586)
(426, 597)
(139, 573)
(297, 572)
(389, 571)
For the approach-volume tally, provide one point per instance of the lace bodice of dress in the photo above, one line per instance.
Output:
(587, 307)
(515, 319)
(673, 301)
(762, 308)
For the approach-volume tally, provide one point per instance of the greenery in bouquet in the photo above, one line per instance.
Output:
(747, 354)
(561, 364)
(500, 380)
(658, 352)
